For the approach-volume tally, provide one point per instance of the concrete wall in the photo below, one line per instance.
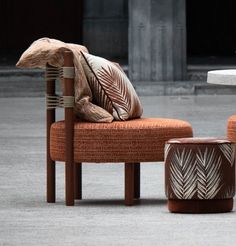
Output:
(105, 28)
(157, 40)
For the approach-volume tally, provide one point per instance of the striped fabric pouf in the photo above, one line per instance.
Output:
(199, 175)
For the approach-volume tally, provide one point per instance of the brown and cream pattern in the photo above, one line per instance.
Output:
(111, 88)
(199, 169)
(50, 51)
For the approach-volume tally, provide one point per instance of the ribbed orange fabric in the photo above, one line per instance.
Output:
(231, 128)
(138, 140)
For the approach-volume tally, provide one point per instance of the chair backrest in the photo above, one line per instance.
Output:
(67, 102)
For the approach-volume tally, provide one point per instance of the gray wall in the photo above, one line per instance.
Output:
(157, 40)
(157, 36)
(105, 28)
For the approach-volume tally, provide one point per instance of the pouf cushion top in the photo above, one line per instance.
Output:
(195, 140)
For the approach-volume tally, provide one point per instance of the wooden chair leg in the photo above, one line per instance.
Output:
(69, 170)
(51, 183)
(78, 180)
(137, 180)
(129, 184)
(50, 116)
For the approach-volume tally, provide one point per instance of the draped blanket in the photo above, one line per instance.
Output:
(89, 104)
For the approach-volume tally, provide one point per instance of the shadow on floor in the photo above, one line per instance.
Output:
(111, 202)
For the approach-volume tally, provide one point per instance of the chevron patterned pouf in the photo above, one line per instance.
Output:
(199, 175)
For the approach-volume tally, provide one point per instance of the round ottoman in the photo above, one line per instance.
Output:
(199, 175)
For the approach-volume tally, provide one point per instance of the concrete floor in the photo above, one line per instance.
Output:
(101, 218)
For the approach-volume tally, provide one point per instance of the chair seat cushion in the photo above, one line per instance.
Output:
(138, 140)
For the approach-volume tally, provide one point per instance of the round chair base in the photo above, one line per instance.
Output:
(200, 206)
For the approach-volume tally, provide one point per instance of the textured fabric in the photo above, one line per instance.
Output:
(200, 206)
(111, 87)
(194, 170)
(138, 140)
(231, 128)
(50, 51)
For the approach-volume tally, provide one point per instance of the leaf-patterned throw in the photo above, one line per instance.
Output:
(46, 50)
(111, 88)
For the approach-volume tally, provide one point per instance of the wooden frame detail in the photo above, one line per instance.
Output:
(69, 133)
(51, 172)
(78, 181)
(132, 182)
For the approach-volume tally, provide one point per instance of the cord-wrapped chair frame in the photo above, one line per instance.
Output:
(67, 74)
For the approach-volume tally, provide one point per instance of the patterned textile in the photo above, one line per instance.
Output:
(50, 51)
(200, 169)
(111, 87)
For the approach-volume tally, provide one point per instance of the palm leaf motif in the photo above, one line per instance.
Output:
(112, 81)
(167, 149)
(100, 96)
(182, 174)
(228, 193)
(228, 151)
(208, 173)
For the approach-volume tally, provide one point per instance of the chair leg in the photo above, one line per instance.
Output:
(69, 184)
(78, 180)
(129, 184)
(137, 180)
(51, 172)
(51, 184)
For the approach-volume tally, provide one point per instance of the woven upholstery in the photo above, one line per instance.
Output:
(231, 128)
(138, 140)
